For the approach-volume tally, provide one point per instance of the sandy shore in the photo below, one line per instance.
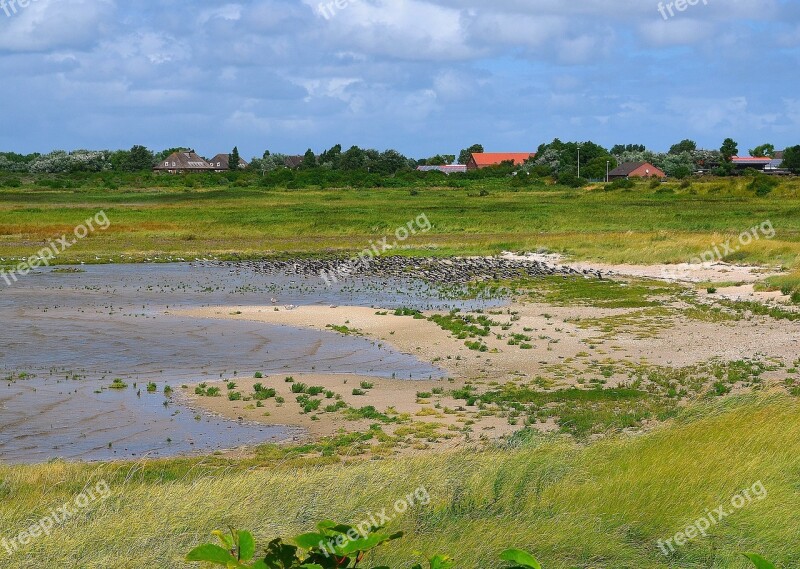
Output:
(566, 346)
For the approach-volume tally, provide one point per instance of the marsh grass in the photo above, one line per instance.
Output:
(601, 505)
(169, 223)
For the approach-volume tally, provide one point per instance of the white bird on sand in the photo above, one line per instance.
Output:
(290, 307)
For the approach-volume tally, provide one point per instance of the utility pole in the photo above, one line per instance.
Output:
(608, 164)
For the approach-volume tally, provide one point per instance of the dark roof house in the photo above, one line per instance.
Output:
(480, 160)
(294, 162)
(221, 162)
(180, 162)
(636, 170)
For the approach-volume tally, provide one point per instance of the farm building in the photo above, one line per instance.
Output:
(758, 163)
(482, 160)
(636, 170)
(183, 162)
(448, 169)
(221, 162)
(765, 164)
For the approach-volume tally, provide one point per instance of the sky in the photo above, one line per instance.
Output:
(420, 76)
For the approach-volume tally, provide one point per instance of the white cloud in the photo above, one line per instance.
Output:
(49, 24)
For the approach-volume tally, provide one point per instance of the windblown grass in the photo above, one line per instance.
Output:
(601, 506)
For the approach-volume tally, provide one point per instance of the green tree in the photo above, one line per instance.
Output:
(353, 159)
(596, 168)
(331, 157)
(309, 160)
(683, 146)
(767, 150)
(467, 153)
(440, 160)
(622, 148)
(729, 149)
(791, 159)
(234, 159)
(139, 158)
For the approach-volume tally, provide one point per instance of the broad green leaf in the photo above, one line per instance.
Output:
(311, 566)
(260, 564)
(371, 542)
(211, 553)
(759, 561)
(225, 537)
(325, 525)
(247, 546)
(441, 562)
(520, 557)
(310, 540)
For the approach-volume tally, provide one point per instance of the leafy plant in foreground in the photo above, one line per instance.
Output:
(339, 546)
(333, 546)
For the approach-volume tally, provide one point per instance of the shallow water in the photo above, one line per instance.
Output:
(72, 333)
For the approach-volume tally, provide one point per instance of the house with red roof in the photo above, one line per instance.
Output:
(482, 160)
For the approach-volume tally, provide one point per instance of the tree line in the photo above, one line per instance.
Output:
(566, 161)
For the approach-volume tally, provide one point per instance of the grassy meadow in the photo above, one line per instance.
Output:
(587, 502)
(669, 223)
(604, 505)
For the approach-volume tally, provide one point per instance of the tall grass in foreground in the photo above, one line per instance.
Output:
(604, 505)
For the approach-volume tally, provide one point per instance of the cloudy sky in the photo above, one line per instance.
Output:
(421, 76)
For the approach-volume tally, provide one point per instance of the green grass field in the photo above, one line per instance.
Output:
(602, 505)
(670, 223)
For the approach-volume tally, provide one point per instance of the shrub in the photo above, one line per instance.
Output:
(621, 184)
(762, 184)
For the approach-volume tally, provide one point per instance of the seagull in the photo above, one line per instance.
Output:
(290, 307)
(273, 300)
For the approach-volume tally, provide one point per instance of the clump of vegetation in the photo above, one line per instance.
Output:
(464, 326)
(409, 312)
(345, 330)
(340, 546)
(204, 390)
(118, 384)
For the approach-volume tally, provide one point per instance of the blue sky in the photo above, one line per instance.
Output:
(420, 76)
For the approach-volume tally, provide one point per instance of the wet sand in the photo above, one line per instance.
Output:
(116, 321)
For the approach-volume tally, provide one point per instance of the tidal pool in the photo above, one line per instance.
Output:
(67, 335)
